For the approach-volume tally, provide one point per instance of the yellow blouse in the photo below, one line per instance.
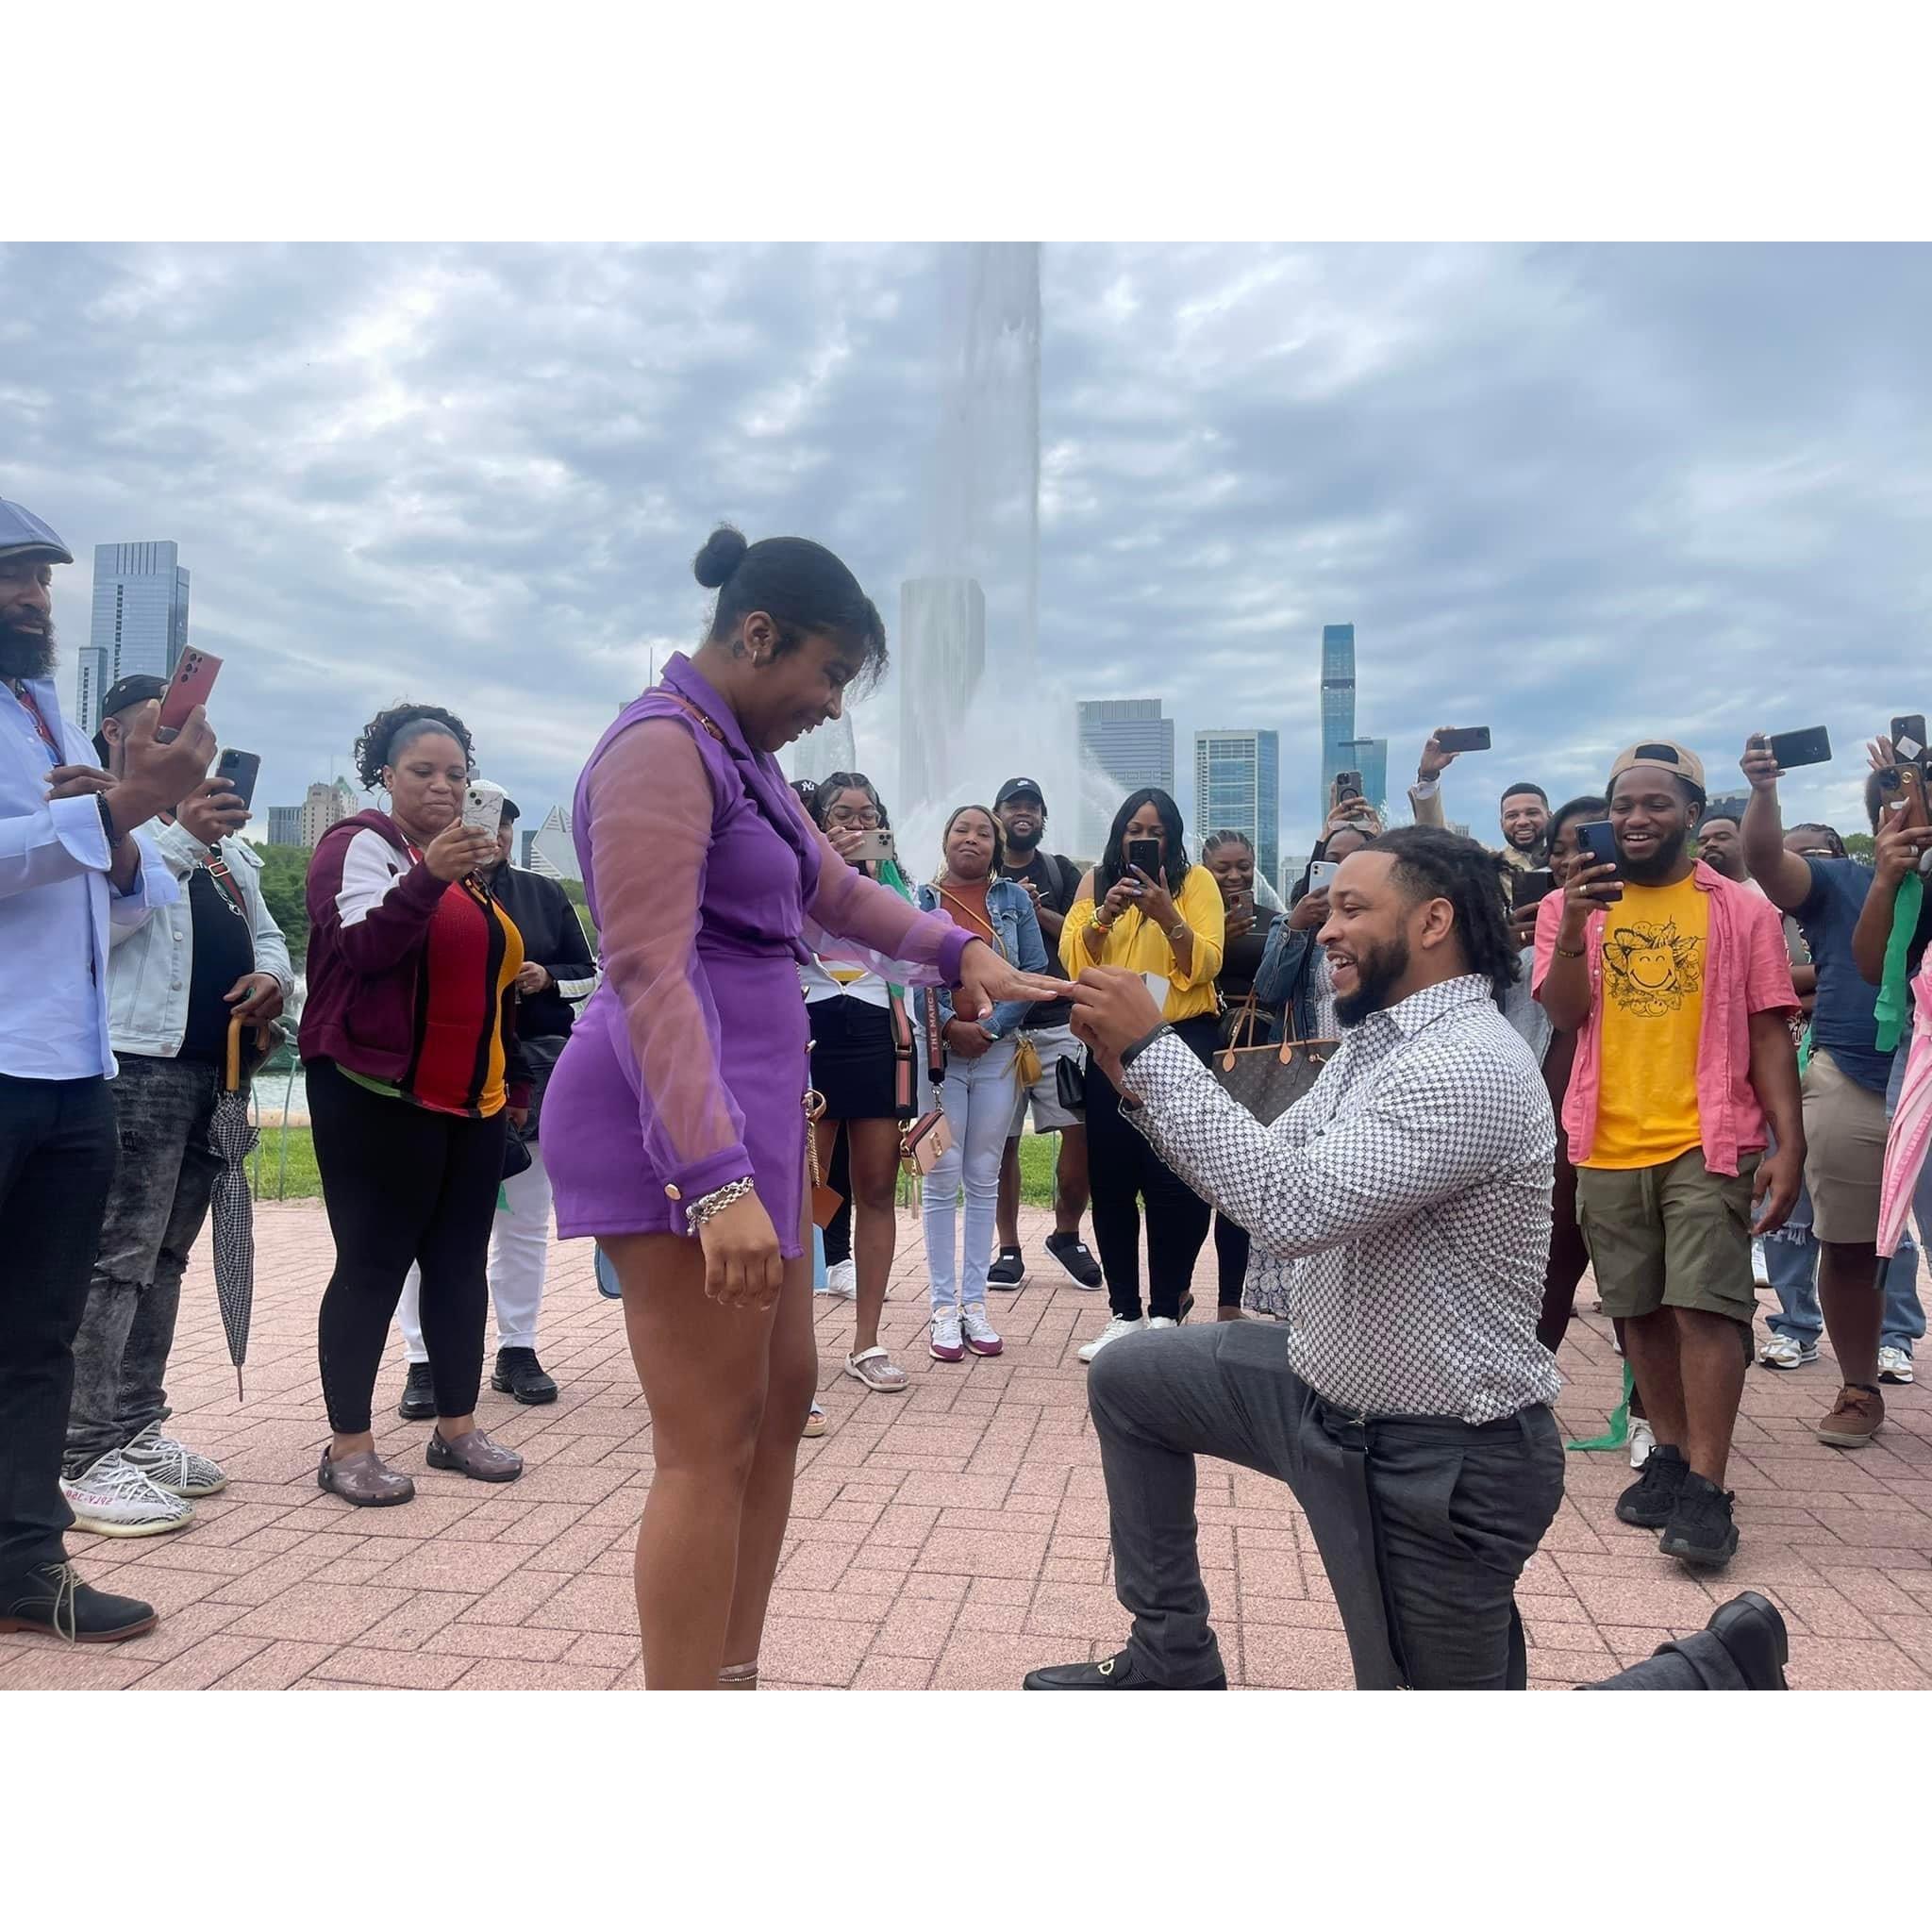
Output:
(1140, 946)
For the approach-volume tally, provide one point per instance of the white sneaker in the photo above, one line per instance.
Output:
(1894, 1365)
(114, 1498)
(1784, 1352)
(947, 1345)
(1642, 1442)
(978, 1331)
(1760, 1274)
(842, 1279)
(172, 1466)
(1115, 1329)
(1162, 1322)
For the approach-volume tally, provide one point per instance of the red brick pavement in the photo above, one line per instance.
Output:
(947, 1539)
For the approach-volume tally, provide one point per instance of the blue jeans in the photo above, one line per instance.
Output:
(1792, 1264)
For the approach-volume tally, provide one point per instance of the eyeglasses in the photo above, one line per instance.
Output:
(842, 815)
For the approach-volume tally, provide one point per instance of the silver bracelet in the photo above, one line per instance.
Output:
(702, 1209)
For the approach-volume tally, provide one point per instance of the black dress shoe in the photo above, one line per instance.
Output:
(520, 1375)
(1753, 1633)
(52, 1598)
(1111, 1673)
(418, 1399)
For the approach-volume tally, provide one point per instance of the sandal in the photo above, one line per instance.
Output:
(877, 1371)
(815, 1421)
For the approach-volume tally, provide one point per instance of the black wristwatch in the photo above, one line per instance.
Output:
(106, 820)
(1141, 1045)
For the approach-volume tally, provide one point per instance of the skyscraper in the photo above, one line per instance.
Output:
(1371, 759)
(140, 621)
(941, 657)
(285, 824)
(1237, 788)
(1124, 744)
(1338, 708)
(326, 804)
(551, 850)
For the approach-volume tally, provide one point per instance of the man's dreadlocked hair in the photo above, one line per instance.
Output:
(1431, 863)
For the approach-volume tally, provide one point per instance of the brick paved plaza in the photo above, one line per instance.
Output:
(946, 1538)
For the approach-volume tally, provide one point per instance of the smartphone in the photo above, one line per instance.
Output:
(237, 771)
(194, 677)
(1322, 873)
(1347, 784)
(874, 848)
(1794, 748)
(1475, 739)
(1144, 854)
(1908, 738)
(1527, 889)
(1598, 843)
(483, 805)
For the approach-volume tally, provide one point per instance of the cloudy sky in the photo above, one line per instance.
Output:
(1578, 495)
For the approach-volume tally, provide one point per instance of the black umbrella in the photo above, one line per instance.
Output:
(232, 1207)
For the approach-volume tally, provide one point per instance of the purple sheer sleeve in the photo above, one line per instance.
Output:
(853, 920)
(651, 807)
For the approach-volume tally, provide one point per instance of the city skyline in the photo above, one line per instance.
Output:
(1237, 788)
(379, 500)
(138, 625)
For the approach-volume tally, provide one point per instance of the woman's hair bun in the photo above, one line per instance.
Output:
(722, 553)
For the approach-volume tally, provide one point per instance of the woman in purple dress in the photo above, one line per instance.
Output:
(676, 1115)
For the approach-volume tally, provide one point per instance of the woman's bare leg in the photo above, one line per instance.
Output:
(703, 1370)
(873, 1147)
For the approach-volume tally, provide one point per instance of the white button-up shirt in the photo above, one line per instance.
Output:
(56, 902)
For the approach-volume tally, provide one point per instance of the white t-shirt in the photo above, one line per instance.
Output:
(822, 982)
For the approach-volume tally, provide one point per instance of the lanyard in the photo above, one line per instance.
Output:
(33, 710)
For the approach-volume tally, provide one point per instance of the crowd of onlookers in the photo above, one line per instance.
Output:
(1718, 1005)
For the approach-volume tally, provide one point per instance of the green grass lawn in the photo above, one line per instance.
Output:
(283, 1168)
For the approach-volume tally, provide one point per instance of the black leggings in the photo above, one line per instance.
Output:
(401, 1185)
(1124, 1171)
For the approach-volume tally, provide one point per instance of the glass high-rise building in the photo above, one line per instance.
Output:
(1124, 744)
(285, 824)
(140, 621)
(1237, 788)
(1338, 709)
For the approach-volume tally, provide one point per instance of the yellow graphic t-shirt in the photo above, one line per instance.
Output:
(1651, 1011)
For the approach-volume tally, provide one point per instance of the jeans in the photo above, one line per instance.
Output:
(401, 1184)
(154, 1212)
(979, 1099)
(1123, 1170)
(519, 1259)
(56, 1161)
(1423, 1523)
(1231, 1246)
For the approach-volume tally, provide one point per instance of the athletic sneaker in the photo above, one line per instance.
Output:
(1008, 1271)
(170, 1466)
(1117, 1326)
(1642, 1442)
(1701, 1531)
(114, 1498)
(1161, 1322)
(1788, 1352)
(947, 1345)
(978, 1331)
(1854, 1419)
(842, 1279)
(1894, 1365)
(1076, 1257)
(1652, 1499)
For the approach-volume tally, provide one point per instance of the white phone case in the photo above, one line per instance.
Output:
(483, 805)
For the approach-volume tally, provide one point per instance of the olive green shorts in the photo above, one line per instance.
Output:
(1675, 1236)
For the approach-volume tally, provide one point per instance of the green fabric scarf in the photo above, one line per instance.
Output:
(1894, 995)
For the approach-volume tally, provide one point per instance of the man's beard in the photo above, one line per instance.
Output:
(1017, 852)
(26, 652)
(1657, 868)
(1532, 848)
(1376, 972)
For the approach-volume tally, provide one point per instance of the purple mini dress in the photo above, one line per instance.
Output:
(691, 1062)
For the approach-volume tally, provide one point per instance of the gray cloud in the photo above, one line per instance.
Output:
(1580, 495)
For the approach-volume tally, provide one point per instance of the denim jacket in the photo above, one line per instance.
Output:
(152, 961)
(1286, 979)
(1011, 914)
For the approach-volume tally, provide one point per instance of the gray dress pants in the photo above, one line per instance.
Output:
(1424, 1524)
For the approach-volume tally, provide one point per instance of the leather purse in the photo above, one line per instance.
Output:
(1069, 1083)
(1267, 1079)
(923, 1144)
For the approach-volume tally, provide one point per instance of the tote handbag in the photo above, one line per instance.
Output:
(1268, 1080)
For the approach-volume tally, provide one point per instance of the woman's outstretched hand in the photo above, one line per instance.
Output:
(986, 979)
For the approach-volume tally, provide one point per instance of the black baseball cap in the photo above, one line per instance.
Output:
(1020, 787)
(137, 688)
(510, 813)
